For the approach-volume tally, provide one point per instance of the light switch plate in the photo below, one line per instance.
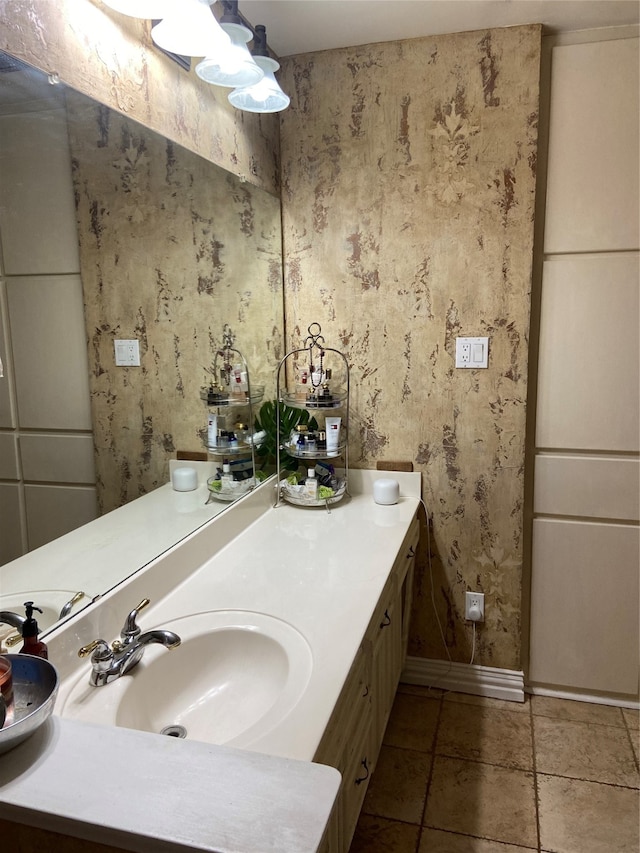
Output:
(127, 353)
(472, 352)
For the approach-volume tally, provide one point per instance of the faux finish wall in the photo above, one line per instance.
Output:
(408, 179)
(172, 248)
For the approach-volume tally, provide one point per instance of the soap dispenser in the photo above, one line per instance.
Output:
(32, 645)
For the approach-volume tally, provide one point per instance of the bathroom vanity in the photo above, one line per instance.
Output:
(309, 610)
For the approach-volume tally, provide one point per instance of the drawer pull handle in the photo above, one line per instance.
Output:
(366, 691)
(386, 621)
(411, 553)
(364, 778)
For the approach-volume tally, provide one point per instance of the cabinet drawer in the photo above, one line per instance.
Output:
(352, 710)
(407, 553)
(355, 781)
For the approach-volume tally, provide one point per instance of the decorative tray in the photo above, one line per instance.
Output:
(292, 450)
(302, 401)
(221, 398)
(237, 490)
(294, 495)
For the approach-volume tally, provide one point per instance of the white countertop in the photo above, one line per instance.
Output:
(145, 792)
(321, 572)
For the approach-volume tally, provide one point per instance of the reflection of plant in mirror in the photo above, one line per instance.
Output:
(290, 418)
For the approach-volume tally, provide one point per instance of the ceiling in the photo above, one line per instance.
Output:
(300, 26)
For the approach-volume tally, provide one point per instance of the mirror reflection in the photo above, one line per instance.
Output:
(111, 233)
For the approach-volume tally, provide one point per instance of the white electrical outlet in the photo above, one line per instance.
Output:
(474, 606)
(127, 353)
(472, 352)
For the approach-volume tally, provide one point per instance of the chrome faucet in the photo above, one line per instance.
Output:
(13, 619)
(110, 662)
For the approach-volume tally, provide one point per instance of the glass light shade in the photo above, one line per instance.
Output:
(141, 8)
(190, 29)
(233, 66)
(265, 96)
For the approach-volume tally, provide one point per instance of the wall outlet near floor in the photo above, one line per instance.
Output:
(474, 606)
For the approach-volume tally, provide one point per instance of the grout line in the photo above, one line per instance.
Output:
(536, 793)
(590, 781)
(431, 768)
(630, 734)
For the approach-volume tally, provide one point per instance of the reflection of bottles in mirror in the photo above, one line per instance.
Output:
(302, 384)
(212, 429)
(239, 384)
(226, 481)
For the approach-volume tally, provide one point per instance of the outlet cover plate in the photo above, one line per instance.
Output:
(474, 601)
(472, 352)
(127, 353)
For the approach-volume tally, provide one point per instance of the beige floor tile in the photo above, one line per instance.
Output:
(488, 702)
(584, 751)
(485, 734)
(435, 841)
(631, 718)
(583, 712)
(379, 835)
(413, 721)
(470, 798)
(398, 787)
(586, 817)
(635, 743)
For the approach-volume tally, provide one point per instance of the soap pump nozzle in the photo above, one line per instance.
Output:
(32, 645)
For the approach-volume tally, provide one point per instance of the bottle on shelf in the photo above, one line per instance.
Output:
(310, 490)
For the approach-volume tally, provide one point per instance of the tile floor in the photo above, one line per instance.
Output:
(463, 774)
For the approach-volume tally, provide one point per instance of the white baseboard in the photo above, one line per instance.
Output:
(465, 678)
(577, 696)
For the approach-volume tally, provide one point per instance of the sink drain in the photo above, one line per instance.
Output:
(174, 731)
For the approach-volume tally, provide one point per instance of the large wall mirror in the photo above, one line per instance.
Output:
(111, 232)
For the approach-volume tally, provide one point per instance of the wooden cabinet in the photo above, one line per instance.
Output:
(353, 737)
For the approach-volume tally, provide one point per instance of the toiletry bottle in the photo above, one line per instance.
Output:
(302, 438)
(311, 485)
(227, 478)
(32, 645)
(212, 430)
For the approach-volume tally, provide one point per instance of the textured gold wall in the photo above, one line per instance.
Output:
(408, 179)
(172, 248)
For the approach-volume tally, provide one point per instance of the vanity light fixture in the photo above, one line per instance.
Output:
(141, 8)
(233, 65)
(266, 96)
(190, 29)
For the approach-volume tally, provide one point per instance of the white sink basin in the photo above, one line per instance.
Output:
(235, 676)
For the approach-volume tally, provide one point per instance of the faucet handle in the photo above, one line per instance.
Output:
(131, 629)
(101, 653)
